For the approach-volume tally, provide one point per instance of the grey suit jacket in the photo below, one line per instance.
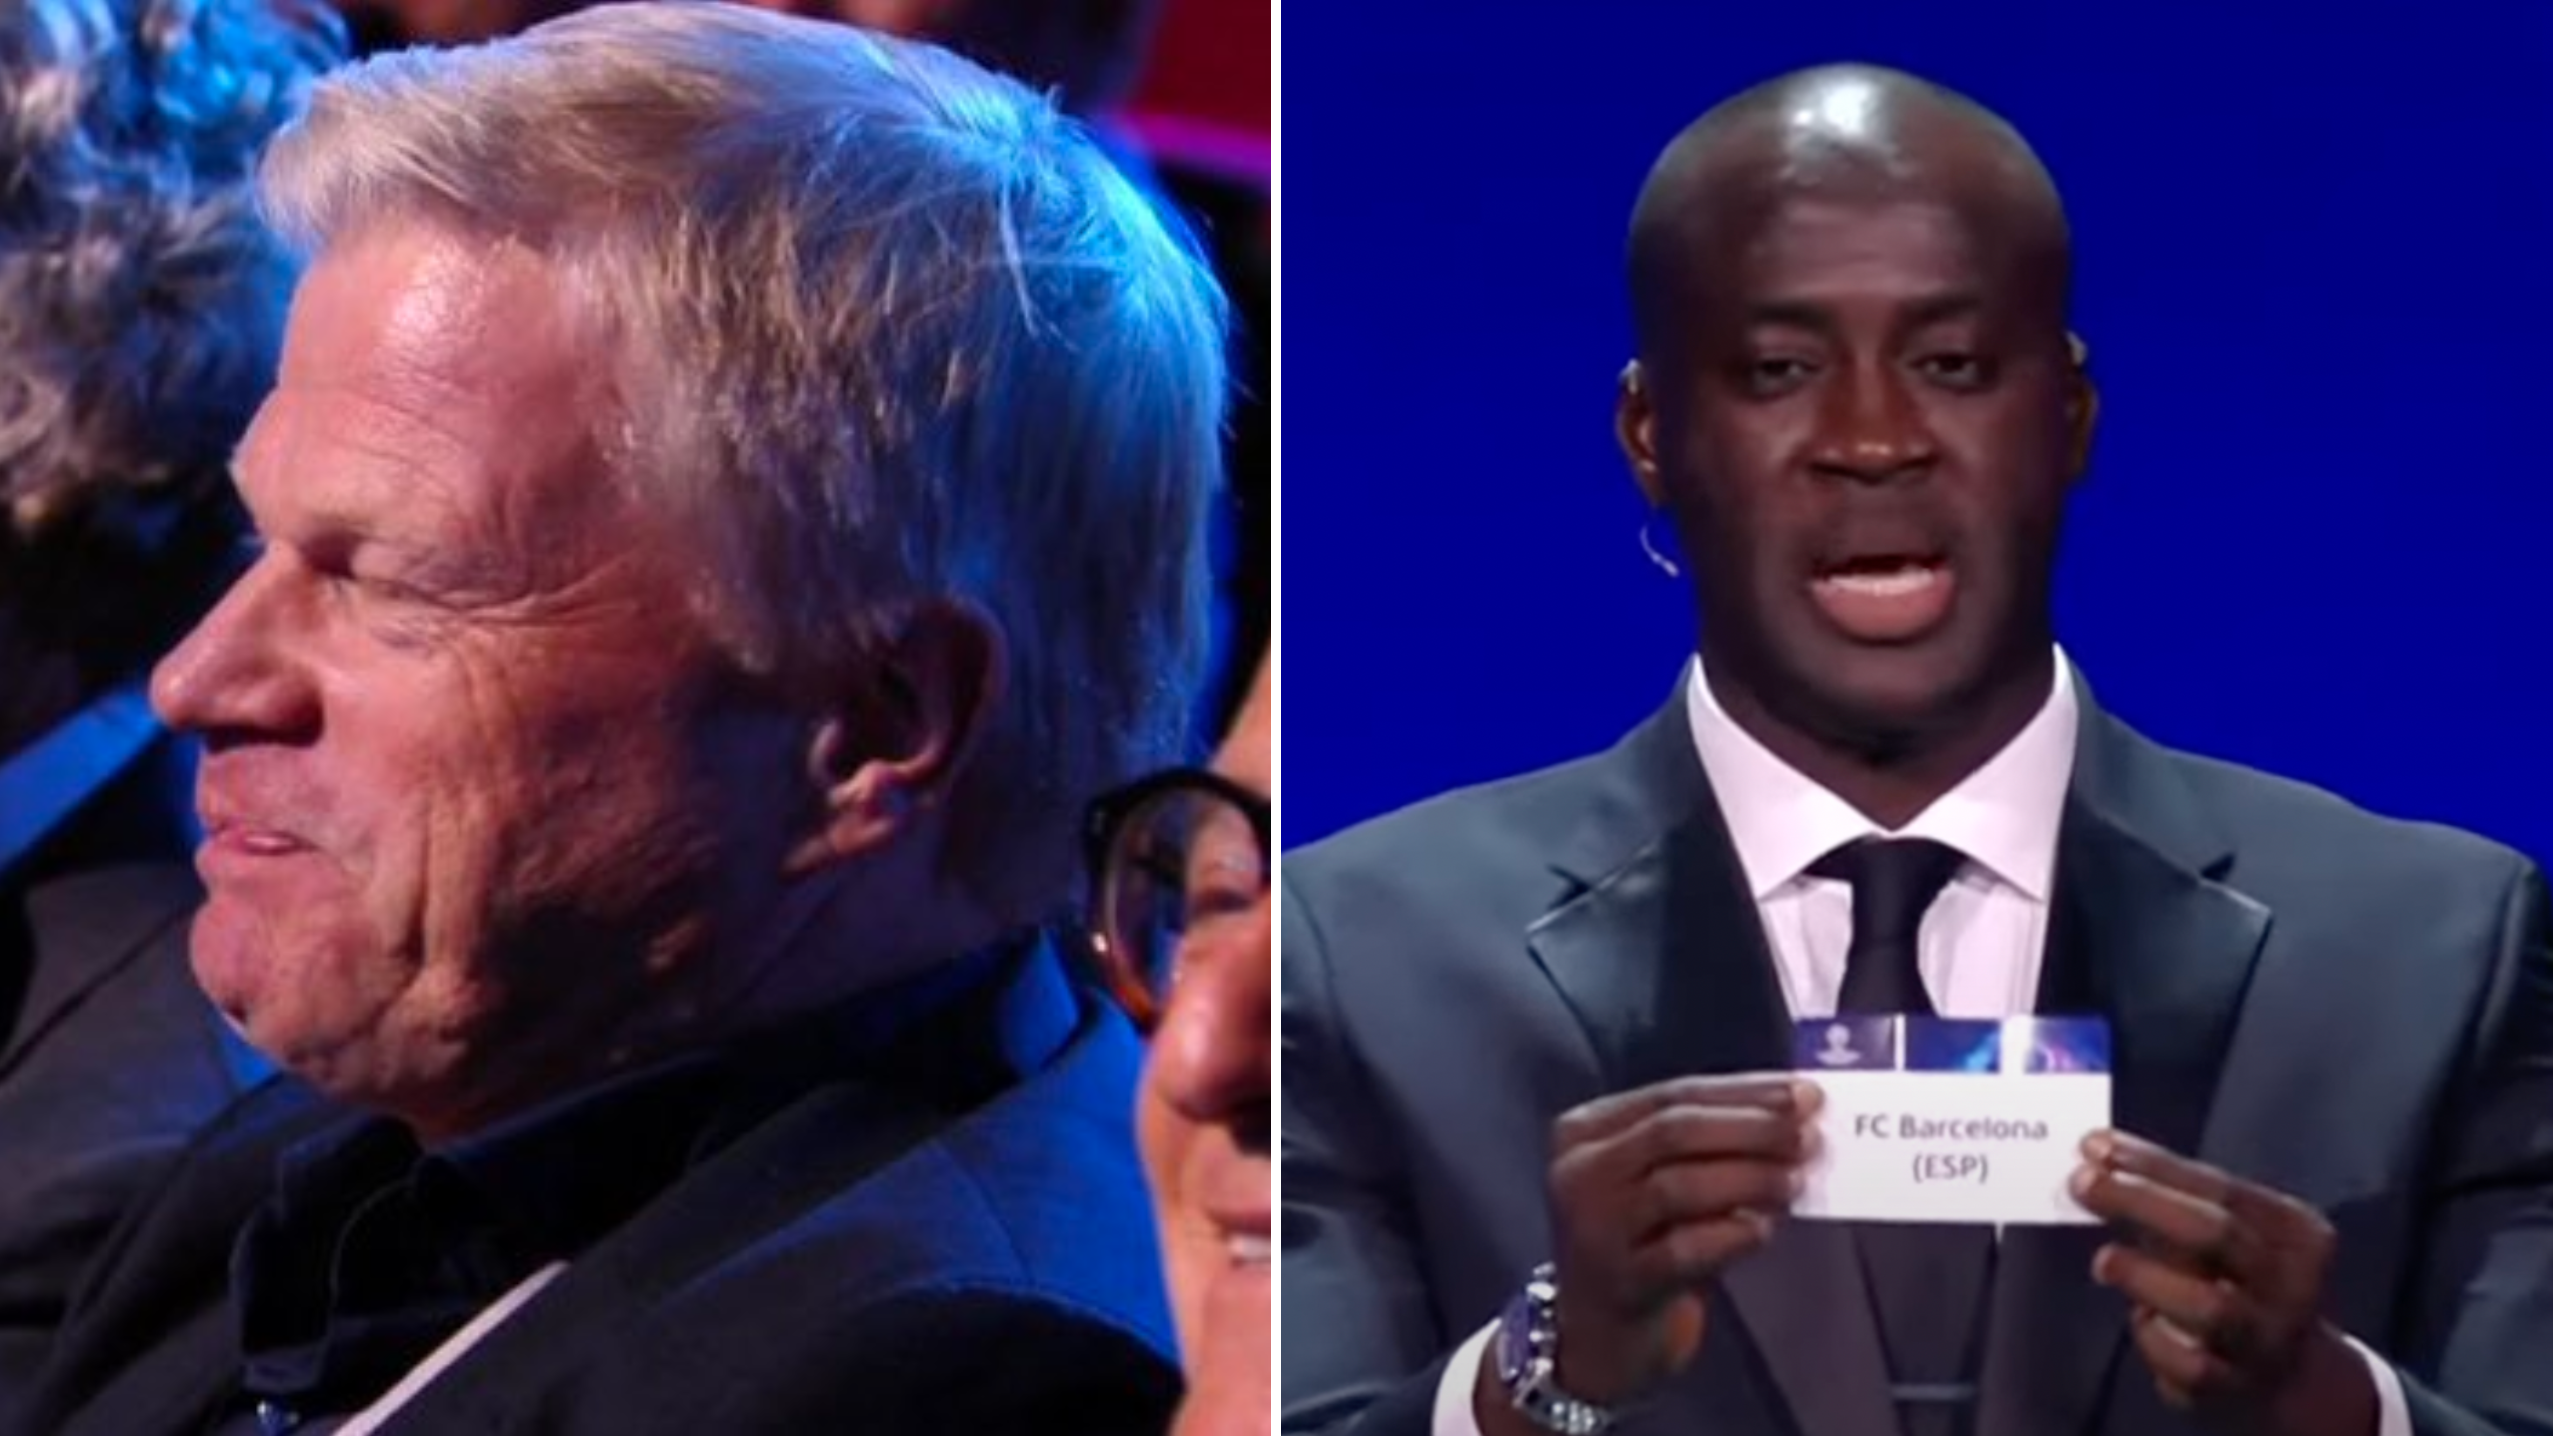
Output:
(110, 1057)
(2356, 1011)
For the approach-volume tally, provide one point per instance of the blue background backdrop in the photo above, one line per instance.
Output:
(2315, 263)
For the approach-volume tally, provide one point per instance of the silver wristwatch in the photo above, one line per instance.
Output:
(1528, 1347)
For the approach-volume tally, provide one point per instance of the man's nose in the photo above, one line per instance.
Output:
(1210, 1054)
(237, 671)
(1872, 429)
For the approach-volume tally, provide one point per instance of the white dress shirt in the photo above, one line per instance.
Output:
(1982, 940)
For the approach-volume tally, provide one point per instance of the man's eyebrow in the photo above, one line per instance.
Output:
(1938, 308)
(1789, 314)
(1819, 318)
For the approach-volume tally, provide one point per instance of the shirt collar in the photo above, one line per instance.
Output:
(2003, 816)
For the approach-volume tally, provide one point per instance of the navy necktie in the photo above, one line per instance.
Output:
(1927, 1281)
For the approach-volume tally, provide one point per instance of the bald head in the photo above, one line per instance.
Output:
(1842, 133)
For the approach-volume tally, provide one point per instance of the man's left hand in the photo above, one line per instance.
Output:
(2226, 1280)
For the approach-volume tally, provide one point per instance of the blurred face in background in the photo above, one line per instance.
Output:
(1202, 1116)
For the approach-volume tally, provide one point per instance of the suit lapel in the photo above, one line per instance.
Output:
(150, 1345)
(1662, 958)
(1664, 962)
(818, 1149)
(2144, 936)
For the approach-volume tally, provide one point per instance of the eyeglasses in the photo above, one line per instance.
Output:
(1174, 858)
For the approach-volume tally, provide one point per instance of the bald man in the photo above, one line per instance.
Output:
(1538, 1138)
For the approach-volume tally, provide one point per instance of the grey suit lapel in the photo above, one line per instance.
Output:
(1662, 958)
(2145, 935)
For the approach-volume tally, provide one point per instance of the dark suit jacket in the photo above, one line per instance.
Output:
(109, 1056)
(2355, 1011)
(862, 1260)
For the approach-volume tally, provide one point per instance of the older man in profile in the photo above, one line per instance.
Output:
(733, 493)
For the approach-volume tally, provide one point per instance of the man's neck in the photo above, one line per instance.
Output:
(815, 1036)
(1891, 778)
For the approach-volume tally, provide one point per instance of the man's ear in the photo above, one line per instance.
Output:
(1635, 428)
(2082, 407)
(894, 741)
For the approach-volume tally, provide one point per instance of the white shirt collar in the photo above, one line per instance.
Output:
(2003, 817)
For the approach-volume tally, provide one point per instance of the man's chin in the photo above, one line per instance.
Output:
(1222, 1401)
(228, 953)
(1227, 1358)
(1870, 697)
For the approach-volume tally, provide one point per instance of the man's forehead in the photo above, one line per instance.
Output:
(1809, 229)
(405, 303)
(417, 354)
(1921, 254)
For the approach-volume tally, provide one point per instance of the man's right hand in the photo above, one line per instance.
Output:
(1653, 1192)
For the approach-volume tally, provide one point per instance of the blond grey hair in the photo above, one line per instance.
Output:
(893, 330)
